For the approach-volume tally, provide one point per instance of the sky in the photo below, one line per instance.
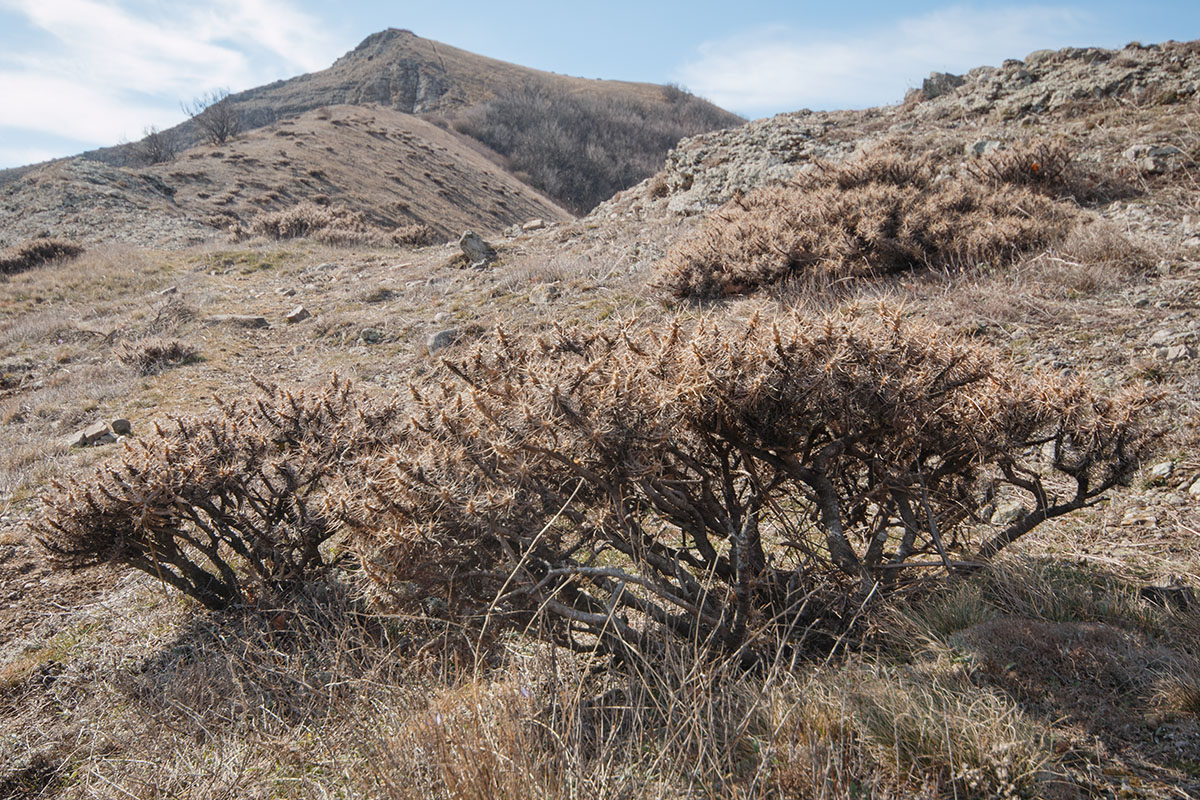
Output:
(80, 74)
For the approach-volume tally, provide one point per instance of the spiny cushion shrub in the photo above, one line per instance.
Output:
(716, 480)
(221, 507)
(36, 253)
(882, 213)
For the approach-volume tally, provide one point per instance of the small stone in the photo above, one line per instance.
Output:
(1176, 499)
(1161, 471)
(1194, 489)
(443, 338)
(168, 291)
(983, 146)
(285, 291)
(441, 317)
(543, 293)
(1140, 516)
(1007, 512)
(106, 438)
(122, 427)
(297, 314)
(477, 251)
(533, 225)
(371, 335)
(1178, 352)
(239, 320)
(1161, 338)
(93, 432)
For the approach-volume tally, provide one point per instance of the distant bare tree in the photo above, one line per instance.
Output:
(215, 115)
(156, 147)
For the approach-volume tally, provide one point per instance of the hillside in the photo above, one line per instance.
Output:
(852, 454)
(604, 135)
(395, 168)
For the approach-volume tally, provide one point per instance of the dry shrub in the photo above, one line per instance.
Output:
(156, 355)
(329, 224)
(880, 214)
(415, 235)
(1037, 163)
(220, 507)
(715, 480)
(36, 253)
(335, 225)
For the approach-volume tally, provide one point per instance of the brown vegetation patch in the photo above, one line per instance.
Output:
(881, 214)
(155, 355)
(335, 225)
(37, 253)
(717, 479)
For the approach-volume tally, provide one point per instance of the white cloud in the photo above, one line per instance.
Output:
(783, 69)
(100, 70)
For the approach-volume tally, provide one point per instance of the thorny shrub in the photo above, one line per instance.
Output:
(733, 483)
(1038, 163)
(36, 253)
(881, 213)
(223, 507)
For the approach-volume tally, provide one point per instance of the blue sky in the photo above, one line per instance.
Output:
(77, 74)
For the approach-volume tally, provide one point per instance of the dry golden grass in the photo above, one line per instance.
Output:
(335, 225)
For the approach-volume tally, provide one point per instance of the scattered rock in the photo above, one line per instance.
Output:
(983, 147)
(443, 338)
(1153, 158)
(285, 291)
(478, 252)
(940, 83)
(96, 433)
(122, 427)
(1140, 516)
(441, 317)
(534, 225)
(543, 293)
(297, 314)
(1194, 489)
(168, 291)
(1179, 352)
(371, 335)
(239, 320)
(1007, 512)
(1161, 471)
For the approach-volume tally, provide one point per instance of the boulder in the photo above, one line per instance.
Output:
(441, 339)
(940, 83)
(478, 252)
(122, 427)
(297, 314)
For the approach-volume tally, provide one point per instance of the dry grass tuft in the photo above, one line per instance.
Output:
(36, 253)
(335, 225)
(152, 356)
(880, 214)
